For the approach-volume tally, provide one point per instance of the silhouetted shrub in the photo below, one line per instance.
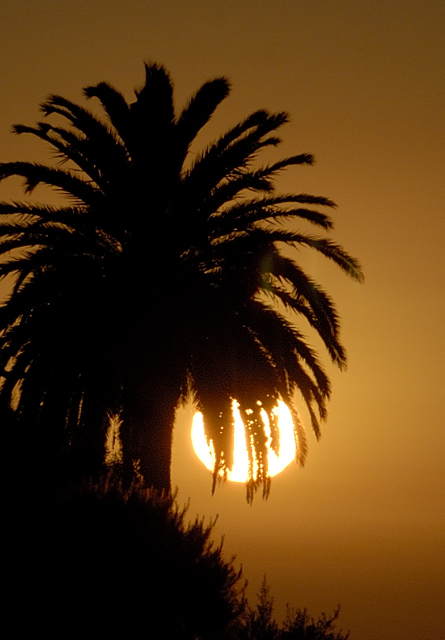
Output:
(103, 562)
(259, 623)
(108, 563)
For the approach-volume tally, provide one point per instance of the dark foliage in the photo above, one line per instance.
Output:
(258, 623)
(107, 563)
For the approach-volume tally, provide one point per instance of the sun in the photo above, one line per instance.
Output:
(239, 472)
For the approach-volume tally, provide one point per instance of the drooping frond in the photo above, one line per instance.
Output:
(268, 208)
(65, 180)
(74, 147)
(308, 299)
(98, 137)
(116, 108)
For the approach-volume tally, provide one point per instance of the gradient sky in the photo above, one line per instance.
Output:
(363, 524)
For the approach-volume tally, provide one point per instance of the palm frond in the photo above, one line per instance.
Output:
(115, 106)
(268, 208)
(66, 181)
(96, 142)
(199, 111)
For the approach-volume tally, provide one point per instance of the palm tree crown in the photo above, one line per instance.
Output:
(159, 278)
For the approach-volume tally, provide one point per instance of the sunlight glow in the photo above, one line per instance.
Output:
(239, 473)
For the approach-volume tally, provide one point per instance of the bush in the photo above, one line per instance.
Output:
(259, 623)
(103, 562)
(112, 563)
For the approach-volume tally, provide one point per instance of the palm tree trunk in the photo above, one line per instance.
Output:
(147, 432)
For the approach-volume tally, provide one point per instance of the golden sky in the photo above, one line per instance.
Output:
(364, 523)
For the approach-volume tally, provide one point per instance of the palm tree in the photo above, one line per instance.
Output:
(158, 278)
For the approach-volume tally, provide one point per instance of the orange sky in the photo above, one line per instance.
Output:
(364, 523)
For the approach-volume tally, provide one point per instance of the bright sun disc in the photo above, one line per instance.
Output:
(239, 472)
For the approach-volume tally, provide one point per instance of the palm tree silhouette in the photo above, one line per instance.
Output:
(158, 278)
